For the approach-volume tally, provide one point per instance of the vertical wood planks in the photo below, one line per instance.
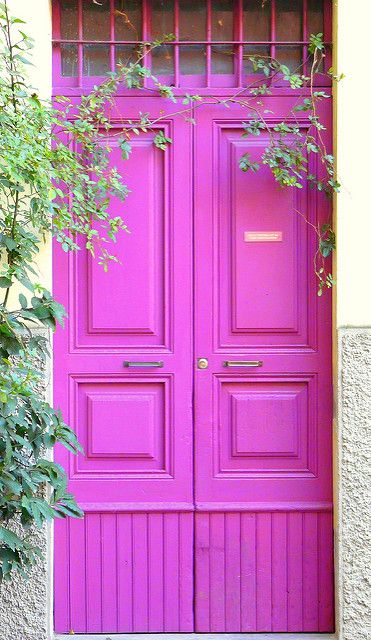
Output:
(217, 571)
(186, 577)
(264, 571)
(77, 536)
(202, 573)
(295, 571)
(140, 572)
(326, 572)
(171, 572)
(109, 571)
(94, 573)
(125, 571)
(248, 572)
(279, 572)
(232, 571)
(61, 575)
(156, 570)
(310, 572)
(134, 573)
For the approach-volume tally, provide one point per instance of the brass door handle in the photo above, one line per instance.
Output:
(155, 363)
(243, 363)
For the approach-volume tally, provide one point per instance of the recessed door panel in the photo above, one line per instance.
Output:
(129, 306)
(264, 427)
(124, 427)
(261, 250)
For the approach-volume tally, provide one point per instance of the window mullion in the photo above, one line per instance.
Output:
(80, 46)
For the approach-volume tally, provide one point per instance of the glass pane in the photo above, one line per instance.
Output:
(128, 20)
(291, 56)
(96, 59)
(69, 60)
(315, 17)
(256, 20)
(125, 53)
(262, 51)
(289, 20)
(222, 20)
(222, 58)
(163, 60)
(162, 18)
(192, 19)
(96, 20)
(69, 20)
(192, 60)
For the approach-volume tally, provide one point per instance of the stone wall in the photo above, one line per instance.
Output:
(24, 604)
(352, 484)
(25, 608)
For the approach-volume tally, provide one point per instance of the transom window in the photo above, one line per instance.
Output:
(212, 39)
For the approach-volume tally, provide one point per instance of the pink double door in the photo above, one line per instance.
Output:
(197, 375)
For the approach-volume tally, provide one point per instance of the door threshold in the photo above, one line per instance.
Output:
(202, 636)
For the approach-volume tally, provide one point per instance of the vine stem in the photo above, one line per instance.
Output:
(8, 36)
(11, 58)
(319, 236)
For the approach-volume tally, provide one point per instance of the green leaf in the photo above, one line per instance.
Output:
(23, 301)
(316, 43)
(22, 59)
(245, 164)
(5, 282)
(125, 149)
(161, 141)
(10, 539)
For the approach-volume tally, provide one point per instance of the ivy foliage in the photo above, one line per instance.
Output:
(56, 179)
(290, 146)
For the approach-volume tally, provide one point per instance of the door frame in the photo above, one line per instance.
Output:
(178, 636)
(248, 635)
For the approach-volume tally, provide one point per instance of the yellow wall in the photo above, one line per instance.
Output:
(37, 15)
(353, 140)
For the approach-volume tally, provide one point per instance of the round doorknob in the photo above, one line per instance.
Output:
(202, 363)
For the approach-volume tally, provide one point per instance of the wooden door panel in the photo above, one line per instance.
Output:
(262, 433)
(254, 216)
(130, 306)
(135, 477)
(264, 426)
(131, 572)
(262, 436)
(125, 428)
(264, 571)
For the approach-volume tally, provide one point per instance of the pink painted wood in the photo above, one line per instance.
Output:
(263, 434)
(207, 492)
(135, 424)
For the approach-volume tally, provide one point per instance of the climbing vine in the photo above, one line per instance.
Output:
(56, 179)
(289, 149)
